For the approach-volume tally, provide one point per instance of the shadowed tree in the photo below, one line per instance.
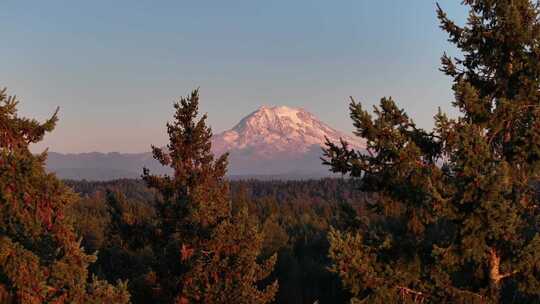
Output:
(205, 252)
(41, 260)
(457, 204)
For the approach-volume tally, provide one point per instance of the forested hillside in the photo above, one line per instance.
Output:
(449, 214)
(295, 217)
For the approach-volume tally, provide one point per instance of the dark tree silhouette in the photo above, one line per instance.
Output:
(205, 252)
(41, 260)
(458, 203)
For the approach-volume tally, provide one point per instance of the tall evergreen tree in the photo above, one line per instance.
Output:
(41, 260)
(206, 254)
(459, 212)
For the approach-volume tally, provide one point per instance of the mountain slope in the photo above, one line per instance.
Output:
(278, 129)
(272, 142)
(278, 140)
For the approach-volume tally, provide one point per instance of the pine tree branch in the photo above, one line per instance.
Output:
(467, 292)
(494, 263)
(508, 274)
(410, 291)
(418, 296)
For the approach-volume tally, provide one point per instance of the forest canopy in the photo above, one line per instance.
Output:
(442, 215)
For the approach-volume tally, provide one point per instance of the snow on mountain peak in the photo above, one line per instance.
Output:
(278, 129)
(272, 141)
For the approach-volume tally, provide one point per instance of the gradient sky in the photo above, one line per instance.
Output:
(115, 67)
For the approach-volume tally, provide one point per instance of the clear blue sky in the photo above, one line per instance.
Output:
(115, 67)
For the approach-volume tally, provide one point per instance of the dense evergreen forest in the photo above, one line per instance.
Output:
(295, 217)
(447, 215)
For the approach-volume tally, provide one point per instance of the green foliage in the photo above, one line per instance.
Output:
(205, 253)
(457, 205)
(294, 216)
(41, 260)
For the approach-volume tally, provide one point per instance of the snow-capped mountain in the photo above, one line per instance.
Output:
(272, 142)
(278, 140)
(279, 129)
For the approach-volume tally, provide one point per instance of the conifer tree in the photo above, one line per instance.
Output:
(206, 253)
(41, 260)
(458, 208)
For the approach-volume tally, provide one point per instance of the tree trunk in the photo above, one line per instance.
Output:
(495, 275)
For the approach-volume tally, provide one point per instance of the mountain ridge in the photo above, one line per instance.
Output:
(271, 141)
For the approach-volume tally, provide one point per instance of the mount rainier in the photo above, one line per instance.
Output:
(271, 142)
(278, 140)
